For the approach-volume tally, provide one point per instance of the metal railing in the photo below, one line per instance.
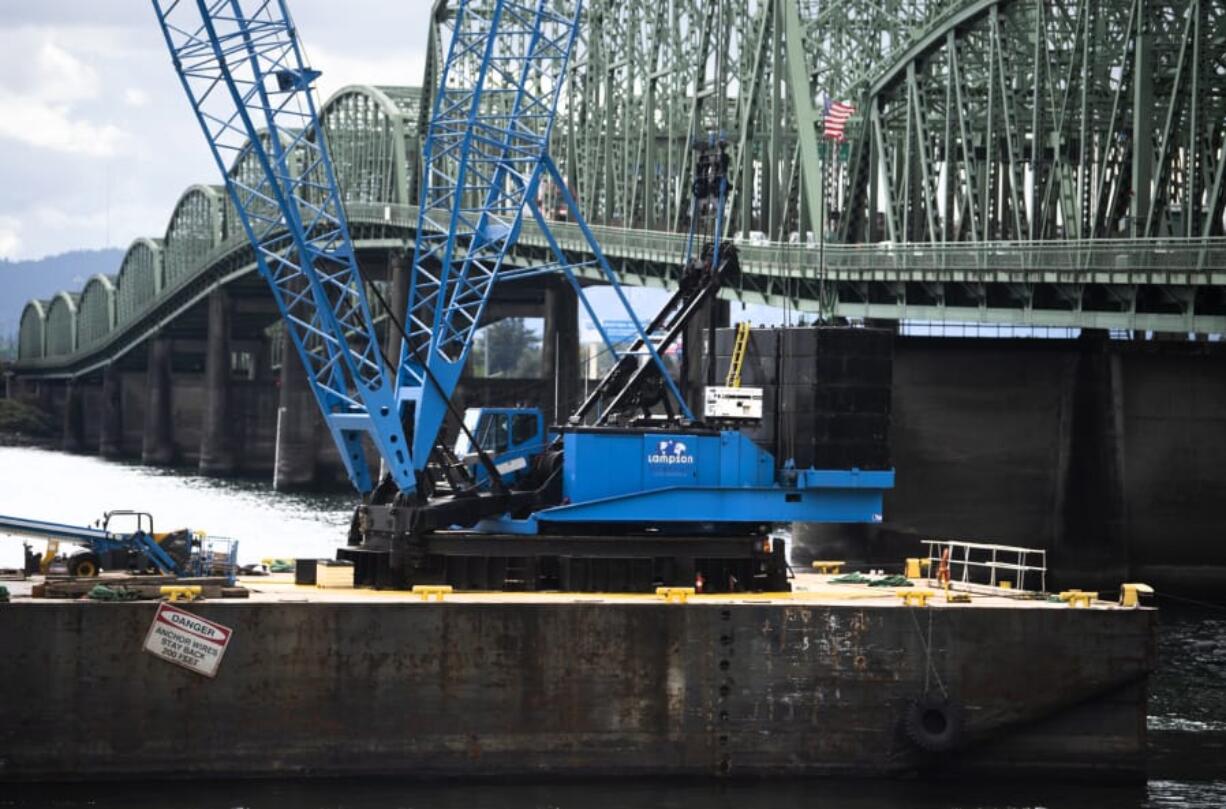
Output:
(1001, 331)
(216, 556)
(983, 567)
(1172, 261)
(1123, 256)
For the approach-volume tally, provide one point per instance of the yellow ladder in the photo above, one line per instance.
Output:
(738, 355)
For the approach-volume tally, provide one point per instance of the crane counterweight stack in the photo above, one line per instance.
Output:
(635, 489)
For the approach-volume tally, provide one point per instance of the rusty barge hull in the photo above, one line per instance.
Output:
(542, 689)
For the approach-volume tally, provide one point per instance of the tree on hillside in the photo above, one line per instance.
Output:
(513, 350)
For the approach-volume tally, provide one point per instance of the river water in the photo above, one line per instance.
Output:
(1187, 702)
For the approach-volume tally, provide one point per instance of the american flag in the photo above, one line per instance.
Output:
(837, 114)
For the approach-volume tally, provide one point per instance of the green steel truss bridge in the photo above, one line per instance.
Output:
(1034, 163)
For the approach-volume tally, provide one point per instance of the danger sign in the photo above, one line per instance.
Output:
(187, 640)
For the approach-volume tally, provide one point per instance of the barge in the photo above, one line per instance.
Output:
(829, 679)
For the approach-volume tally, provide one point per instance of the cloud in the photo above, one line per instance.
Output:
(10, 240)
(51, 126)
(135, 97)
(38, 100)
(61, 76)
(96, 139)
(342, 69)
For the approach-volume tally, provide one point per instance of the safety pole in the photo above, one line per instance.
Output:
(821, 235)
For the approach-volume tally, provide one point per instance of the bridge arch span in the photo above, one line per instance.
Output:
(62, 324)
(372, 137)
(1040, 120)
(95, 311)
(248, 176)
(31, 338)
(196, 227)
(140, 278)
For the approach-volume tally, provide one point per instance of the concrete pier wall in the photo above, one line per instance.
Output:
(73, 434)
(219, 445)
(297, 427)
(560, 350)
(110, 414)
(132, 403)
(91, 415)
(187, 418)
(1105, 453)
(255, 425)
(158, 444)
(570, 689)
(1173, 483)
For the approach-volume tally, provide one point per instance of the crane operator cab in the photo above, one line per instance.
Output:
(513, 437)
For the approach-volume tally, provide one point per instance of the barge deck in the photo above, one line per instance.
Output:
(831, 679)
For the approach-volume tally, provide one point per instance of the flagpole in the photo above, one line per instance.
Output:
(832, 129)
(821, 234)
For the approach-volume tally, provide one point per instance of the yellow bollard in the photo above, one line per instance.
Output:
(181, 592)
(675, 595)
(1005, 585)
(1130, 593)
(1076, 597)
(439, 591)
(828, 567)
(915, 598)
(913, 569)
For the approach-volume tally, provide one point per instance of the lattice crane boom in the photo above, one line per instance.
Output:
(486, 154)
(242, 68)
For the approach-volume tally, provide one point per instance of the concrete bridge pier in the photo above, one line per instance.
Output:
(158, 445)
(1090, 533)
(29, 390)
(398, 271)
(297, 427)
(560, 349)
(74, 418)
(110, 427)
(40, 393)
(218, 447)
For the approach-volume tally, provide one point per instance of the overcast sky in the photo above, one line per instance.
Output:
(97, 140)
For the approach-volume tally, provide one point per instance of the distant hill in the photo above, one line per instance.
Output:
(42, 278)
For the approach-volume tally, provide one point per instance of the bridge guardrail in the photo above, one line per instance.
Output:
(1088, 257)
(1168, 262)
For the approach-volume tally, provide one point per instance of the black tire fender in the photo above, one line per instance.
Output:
(934, 724)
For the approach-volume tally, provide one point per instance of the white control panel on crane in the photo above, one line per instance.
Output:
(722, 402)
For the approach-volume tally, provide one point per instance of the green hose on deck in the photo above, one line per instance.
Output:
(103, 593)
(891, 581)
(851, 578)
(884, 581)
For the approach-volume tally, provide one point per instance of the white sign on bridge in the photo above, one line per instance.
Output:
(187, 640)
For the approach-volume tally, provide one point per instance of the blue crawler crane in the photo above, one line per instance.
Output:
(633, 490)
